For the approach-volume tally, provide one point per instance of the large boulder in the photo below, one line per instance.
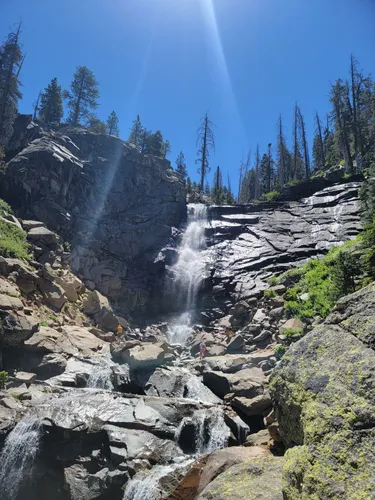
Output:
(255, 478)
(97, 306)
(208, 468)
(146, 356)
(246, 383)
(324, 390)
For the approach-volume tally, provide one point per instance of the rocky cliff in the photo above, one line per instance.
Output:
(248, 244)
(115, 206)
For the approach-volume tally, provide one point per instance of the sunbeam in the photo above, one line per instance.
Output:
(213, 28)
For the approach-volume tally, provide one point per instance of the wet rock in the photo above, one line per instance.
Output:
(178, 382)
(258, 477)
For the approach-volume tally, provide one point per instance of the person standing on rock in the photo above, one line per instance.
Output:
(202, 349)
(120, 331)
(228, 333)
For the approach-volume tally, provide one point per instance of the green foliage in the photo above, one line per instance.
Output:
(96, 125)
(12, 241)
(5, 208)
(83, 95)
(3, 378)
(147, 142)
(280, 350)
(271, 196)
(43, 323)
(289, 333)
(112, 125)
(324, 280)
(51, 104)
(10, 66)
(270, 293)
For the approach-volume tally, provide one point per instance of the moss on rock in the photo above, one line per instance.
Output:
(254, 479)
(324, 389)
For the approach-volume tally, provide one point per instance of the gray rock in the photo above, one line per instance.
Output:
(262, 337)
(74, 182)
(247, 383)
(16, 328)
(97, 306)
(236, 344)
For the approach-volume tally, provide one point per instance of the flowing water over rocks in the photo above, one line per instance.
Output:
(133, 418)
(18, 456)
(189, 273)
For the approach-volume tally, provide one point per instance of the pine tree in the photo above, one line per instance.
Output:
(257, 174)
(51, 104)
(10, 66)
(166, 148)
(341, 119)
(112, 125)
(188, 185)
(138, 134)
(96, 125)
(205, 142)
(318, 145)
(305, 149)
(207, 189)
(267, 172)
(298, 168)
(83, 95)
(284, 163)
(217, 188)
(181, 168)
(36, 106)
(155, 144)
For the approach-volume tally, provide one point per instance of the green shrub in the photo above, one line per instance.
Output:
(271, 196)
(273, 280)
(325, 280)
(3, 378)
(13, 241)
(5, 208)
(280, 350)
(289, 333)
(43, 323)
(269, 293)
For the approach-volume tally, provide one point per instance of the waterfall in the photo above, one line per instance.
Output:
(212, 432)
(146, 484)
(101, 376)
(189, 272)
(18, 456)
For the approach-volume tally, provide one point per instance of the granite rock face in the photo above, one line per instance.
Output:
(248, 244)
(116, 206)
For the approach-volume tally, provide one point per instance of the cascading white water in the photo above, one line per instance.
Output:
(101, 375)
(189, 272)
(218, 432)
(146, 485)
(18, 456)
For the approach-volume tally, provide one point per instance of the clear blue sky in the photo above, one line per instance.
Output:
(243, 61)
